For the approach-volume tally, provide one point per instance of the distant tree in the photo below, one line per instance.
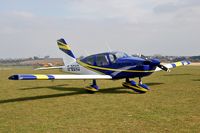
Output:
(47, 57)
(36, 57)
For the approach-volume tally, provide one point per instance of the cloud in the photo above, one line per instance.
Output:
(126, 10)
(132, 11)
(130, 25)
(176, 5)
(23, 14)
(14, 21)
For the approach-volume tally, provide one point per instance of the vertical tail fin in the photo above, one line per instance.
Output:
(69, 56)
(65, 47)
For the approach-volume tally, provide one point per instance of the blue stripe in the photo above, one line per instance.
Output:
(188, 62)
(27, 77)
(69, 52)
(173, 65)
(51, 77)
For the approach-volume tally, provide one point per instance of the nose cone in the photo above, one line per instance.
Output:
(155, 62)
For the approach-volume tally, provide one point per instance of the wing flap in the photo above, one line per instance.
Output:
(175, 64)
(56, 77)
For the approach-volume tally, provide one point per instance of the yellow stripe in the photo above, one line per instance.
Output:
(178, 64)
(41, 76)
(136, 87)
(60, 43)
(91, 89)
(110, 69)
(66, 47)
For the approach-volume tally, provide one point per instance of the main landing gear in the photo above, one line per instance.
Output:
(93, 87)
(140, 88)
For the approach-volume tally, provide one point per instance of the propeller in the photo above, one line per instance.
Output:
(163, 67)
(156, 62)
(153, 62)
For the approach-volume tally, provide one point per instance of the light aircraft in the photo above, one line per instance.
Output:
(106, 66)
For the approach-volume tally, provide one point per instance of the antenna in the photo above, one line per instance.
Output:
(108, 46)
(85, 51)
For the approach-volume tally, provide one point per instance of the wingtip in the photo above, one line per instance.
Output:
(14, 77)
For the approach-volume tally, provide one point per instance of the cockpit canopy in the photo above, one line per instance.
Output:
(104, 59)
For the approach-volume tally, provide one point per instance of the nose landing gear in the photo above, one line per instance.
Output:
(140, 88)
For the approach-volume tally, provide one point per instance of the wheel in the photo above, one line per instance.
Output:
(91, 89)
(134, 87)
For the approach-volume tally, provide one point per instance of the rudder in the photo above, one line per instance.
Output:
(69, 56)
(63, 46)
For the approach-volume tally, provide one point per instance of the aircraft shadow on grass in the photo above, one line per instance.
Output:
(195, 79)
(70, 91)
(183, 74)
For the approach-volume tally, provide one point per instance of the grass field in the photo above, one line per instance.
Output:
(172, 105)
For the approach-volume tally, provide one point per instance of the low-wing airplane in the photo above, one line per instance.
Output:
(108, 66)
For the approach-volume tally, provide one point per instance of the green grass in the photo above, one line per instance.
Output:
(172, 105)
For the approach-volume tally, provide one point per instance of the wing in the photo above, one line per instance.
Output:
(56, 77)
(173, 65)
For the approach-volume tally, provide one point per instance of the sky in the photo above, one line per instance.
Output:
(31, 27)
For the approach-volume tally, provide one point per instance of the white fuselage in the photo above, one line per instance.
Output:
(76, 68)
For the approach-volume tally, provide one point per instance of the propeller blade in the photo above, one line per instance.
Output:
(163, 67)
(155, 62)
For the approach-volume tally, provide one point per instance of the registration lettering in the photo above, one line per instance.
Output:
(73, 68)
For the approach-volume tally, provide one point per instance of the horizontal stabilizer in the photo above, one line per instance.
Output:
(47, 68)
(56, 77)
(175, 64)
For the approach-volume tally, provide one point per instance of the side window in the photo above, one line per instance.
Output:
(112, 58)
(89, 60)
(101, 60)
